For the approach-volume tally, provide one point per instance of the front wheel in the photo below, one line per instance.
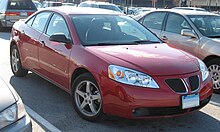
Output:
(86, 98)
(214, 69)
(15, 61)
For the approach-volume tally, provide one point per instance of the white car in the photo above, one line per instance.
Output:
(189, 8)
(13, 117)
(102, 5)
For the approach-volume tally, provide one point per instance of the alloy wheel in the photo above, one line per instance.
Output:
(14, 60)
(215, 72)
(88, 99)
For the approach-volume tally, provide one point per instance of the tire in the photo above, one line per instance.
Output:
(214, 69)
(1, 27)
(15, 62)
(86, 98)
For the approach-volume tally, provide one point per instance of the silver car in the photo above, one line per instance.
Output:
(195, 32)
(13, 10)
(189, 8)
(13, 117)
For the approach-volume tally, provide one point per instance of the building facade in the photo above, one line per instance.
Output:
(207, 4)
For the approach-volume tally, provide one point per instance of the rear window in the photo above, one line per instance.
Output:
(56, 4)
(110, 7)
(21, 5)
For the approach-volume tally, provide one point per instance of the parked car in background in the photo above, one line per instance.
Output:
(102, 5)
(189, 8)
(38, 4)
(13, 10)
(51, 4)
(195, 32)
(109, 63)
(143, 9)
(68, 4)
(130, 10)
(13, 117)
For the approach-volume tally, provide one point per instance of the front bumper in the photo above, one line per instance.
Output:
(137, 102)
(22, 125)
(8, 23)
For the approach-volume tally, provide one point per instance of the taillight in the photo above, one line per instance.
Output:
(30, 13)
(12, 13)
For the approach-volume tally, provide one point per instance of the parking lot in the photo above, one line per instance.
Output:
(51, 108)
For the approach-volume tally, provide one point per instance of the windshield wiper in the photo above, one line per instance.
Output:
(136, 42)
(146, 41)
(217, 36)
(100, 44)
(106, 44)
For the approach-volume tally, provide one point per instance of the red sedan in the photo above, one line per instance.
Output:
(109, 63)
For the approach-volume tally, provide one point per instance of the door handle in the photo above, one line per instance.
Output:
(42, 43)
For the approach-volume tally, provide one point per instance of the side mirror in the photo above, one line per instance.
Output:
(188, 32)
(60, 38)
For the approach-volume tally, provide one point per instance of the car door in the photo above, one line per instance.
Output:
(54, 56)
(154, 21)
(29, 36)
(175, 23)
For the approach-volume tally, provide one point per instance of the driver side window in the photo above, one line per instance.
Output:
(57, 25)
(175, 23)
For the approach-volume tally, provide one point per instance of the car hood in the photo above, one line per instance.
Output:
(7, 98)
(153, 59)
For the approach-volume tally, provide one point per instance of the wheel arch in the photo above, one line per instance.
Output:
(78, 71)
(211, 57)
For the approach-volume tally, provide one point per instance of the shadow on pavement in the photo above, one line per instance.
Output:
(216, 98)
(55, 106)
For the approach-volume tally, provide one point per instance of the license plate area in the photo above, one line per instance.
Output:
(189, 101)
(23, 14)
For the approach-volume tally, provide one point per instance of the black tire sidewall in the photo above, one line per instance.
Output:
(2, 29)
(21, 72)
(83, 77)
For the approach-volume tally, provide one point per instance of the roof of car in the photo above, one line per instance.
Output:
(192, 8)
(99, 3)
(186, 12)
(182, 12)
(81, 10)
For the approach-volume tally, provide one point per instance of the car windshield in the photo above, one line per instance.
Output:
(110, 7)
(208, 25)
(21, 5)
(111, 30)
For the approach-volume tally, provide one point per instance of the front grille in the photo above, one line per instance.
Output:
(194, 83)
(162, 111)
(177, 85)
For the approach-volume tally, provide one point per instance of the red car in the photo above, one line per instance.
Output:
(109, 63)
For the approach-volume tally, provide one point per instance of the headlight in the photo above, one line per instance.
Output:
(131, 77)
(203, 69)
(12, 114)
